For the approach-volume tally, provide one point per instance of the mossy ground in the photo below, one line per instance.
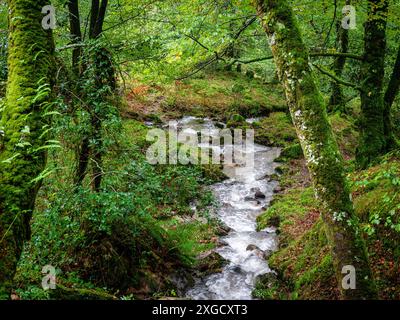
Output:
(218, 95)
(126, 241)
(303, 262)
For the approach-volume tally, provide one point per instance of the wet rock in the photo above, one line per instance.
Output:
(237, 269)
(252, 247)
(274, 221)
(268, 253)
(278, 189)
(251, 199)
(227, 205)
(210, 262)
(259, 195)
(230, 183)
(266, 177)
(223, 230)
(267, 280)
(273, 177)
(182, 280)
(256, 250)
(220, 125)
(221, 243)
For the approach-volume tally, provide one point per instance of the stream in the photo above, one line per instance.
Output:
(240, 199)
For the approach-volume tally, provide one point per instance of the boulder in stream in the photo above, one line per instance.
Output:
(209, 262)
(267, 280)
(258, 252)
(259, 195)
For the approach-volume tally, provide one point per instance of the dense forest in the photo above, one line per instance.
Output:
(199, 149)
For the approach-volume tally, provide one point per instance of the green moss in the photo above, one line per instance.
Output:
(304, 263)
(217, 94)
(135, 233)
(346, 133)
(372, 128)
(22, 157)
(291, 152)
(276, 129)
(193, 238)
(321, 151)
(304, 267)
(293, 203)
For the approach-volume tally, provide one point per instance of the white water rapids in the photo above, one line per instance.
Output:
(238, 208)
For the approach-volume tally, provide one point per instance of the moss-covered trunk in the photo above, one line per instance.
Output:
(336, 102)
(390, 95)
(372, 131)
(24, 123)
(101, 79)
(324, 160)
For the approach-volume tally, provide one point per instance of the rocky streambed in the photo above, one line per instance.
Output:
(241, 198)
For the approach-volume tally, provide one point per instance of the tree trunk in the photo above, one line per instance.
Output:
(83, 161)
(372, 134)
(323, 158)
(99, 67)
(30, 62)
(98, 25)
(76, 35)
(94, 12)
(390, 95)
(337, 101)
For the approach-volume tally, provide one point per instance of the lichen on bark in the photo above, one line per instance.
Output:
(30, 62)
(320, 148)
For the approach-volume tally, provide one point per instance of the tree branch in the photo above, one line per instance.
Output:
(337, 54)
(337, 79)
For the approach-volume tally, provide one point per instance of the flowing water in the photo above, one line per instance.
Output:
(241, 198)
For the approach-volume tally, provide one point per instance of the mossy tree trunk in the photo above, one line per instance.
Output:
(336, 102)
(99, 75)
(76, 35)
(390, 95)
(102, 66)
(30, 61)
(372, 131)
(323, 158)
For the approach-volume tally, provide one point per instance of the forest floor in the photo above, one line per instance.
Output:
(148, 208)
